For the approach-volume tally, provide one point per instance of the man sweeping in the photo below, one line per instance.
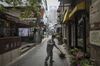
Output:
(50, 45)
(49, 49)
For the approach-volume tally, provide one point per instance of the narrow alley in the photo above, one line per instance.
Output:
(36, 57)
(28, 29)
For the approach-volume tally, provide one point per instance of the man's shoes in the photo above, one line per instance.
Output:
(46, 64)
(52, 61)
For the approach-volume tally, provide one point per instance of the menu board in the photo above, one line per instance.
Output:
(95, 37)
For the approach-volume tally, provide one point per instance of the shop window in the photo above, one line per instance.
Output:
(1, 28)
(80, 33)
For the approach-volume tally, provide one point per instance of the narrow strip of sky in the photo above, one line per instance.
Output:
(52, 4)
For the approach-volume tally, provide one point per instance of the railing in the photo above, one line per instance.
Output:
(9, 43)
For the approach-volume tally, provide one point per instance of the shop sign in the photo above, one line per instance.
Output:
(95, 37)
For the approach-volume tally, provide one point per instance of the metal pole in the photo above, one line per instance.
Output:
(63, 5)
(84, 30)
(46, 4)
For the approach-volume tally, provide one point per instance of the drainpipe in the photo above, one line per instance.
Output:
(84, 30)
(84, 18)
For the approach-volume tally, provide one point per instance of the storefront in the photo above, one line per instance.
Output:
(77, 27)
(9, 37)
(7, 27)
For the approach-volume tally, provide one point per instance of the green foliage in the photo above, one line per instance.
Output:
(85, 62)
(82, 62)
(2, 8)
(32, 2)
(28, 11)
(31, 6)
(78, 59)
(14, 2)
(73, 50)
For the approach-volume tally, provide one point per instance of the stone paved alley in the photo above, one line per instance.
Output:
(36, 57)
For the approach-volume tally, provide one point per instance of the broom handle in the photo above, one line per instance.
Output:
(60, 50)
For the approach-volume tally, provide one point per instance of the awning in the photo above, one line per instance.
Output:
(80, 6)
(66, 16)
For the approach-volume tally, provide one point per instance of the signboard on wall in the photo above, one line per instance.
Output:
(23, 32)
(95, 37)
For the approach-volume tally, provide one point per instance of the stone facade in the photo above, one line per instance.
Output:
(95, 31)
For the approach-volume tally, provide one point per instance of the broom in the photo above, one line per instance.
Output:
(61, 55)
